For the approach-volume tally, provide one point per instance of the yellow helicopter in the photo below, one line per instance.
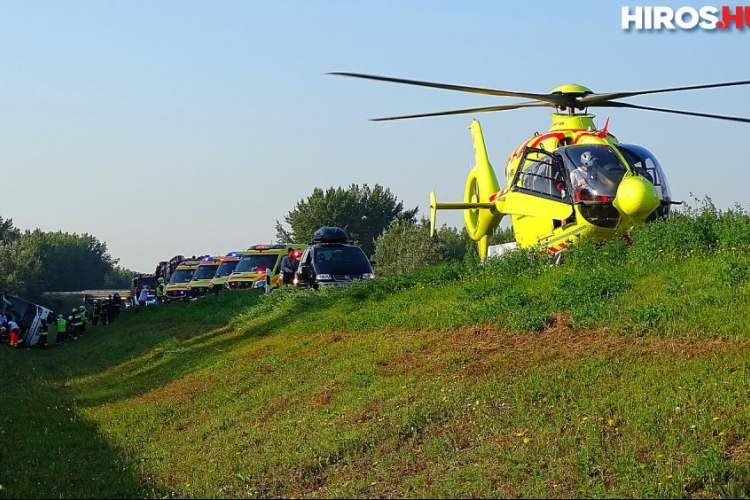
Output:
(569, 182)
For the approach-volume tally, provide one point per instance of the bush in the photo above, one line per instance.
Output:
(406, 247)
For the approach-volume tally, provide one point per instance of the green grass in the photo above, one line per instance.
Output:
(622, 372)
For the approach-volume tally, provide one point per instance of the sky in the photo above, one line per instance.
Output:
(191, 127)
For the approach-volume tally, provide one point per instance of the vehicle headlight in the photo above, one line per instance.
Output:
(260, 284)
(325, 277)
(368, 276)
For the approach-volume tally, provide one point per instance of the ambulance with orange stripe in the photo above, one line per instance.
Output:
(226, 268)
(177, 289)
(251, 269)
(201, 281)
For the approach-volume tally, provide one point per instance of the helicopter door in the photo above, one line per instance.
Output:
(540, 187)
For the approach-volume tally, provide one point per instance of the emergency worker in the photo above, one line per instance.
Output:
(15, 331)
(75, 320)
(160, 290)
(96, 312)
(83, 315)
(117, 303)
(62, 330)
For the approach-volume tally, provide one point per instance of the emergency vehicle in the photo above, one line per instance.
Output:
(251, 270)
(177, 287)
(226, 267)
(165, 268)
(206, 271)
(139, 281)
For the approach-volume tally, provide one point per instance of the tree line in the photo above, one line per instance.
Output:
(34, 262)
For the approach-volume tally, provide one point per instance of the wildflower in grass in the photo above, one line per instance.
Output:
(585, 419)
(526, 440)
(520, 434)
(716, 419)
(610, 422)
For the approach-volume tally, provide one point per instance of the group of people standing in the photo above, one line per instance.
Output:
(105, 311)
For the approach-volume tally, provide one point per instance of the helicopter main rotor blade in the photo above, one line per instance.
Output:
(673, 111)
(594, 99)
(558, 100)
(530, 104)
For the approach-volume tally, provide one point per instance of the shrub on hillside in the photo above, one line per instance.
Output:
(695, 229)
(406, 247)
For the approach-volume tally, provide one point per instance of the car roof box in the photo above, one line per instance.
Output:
(330, 235)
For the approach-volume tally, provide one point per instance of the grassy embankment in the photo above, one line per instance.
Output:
(623, 372)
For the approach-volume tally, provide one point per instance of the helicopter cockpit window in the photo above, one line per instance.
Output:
(595, 172)
(646, 164)
(543, 176)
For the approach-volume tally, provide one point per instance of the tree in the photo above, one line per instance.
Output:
(8, 232)
(363, 212)
(118, 278)
(34, 262)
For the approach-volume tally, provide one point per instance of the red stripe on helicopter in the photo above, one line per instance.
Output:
(535, 142)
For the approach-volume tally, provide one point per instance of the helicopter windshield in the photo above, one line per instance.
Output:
(646, 164)
(595, 172)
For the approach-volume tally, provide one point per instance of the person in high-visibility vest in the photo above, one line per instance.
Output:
(75, 320)
(62, 330)
(83, 314)
(160, 291)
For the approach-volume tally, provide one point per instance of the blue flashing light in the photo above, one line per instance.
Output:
(233, 254)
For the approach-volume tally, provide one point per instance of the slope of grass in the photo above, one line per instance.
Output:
(622, 372)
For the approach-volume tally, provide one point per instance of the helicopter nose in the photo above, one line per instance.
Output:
(636, 197)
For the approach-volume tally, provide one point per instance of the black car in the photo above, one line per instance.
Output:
(332, 259)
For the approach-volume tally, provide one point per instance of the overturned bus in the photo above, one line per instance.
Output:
(31, 318)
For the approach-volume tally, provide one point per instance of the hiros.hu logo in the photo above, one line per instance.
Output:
(687, 18)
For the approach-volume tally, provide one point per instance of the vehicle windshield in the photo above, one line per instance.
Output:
(226, 268)
(257, 263)
(182, 276)
(341, 259)
(206, 272)
(595, 171)
(147, 282)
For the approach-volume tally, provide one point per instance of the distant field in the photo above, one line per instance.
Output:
(623, 372)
